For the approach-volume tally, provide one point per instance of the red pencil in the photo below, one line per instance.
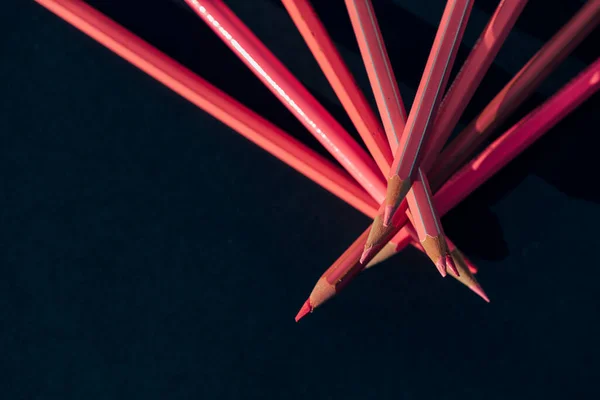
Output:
(341, 80)
(291, 93)
(516, 91)
(472, 175)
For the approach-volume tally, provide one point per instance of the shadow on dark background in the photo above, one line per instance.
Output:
(142, 258)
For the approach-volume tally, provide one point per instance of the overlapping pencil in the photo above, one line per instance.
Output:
(291, 93)
(440, 168)
(409, 153)
(472, 175)
(458, 96)
(341, 80)
(392, 112)
(410, 149)
(264, 64)
(216, 103)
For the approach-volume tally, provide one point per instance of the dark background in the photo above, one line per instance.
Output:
(140, 239)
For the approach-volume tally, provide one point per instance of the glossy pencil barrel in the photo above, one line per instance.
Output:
(291, 93)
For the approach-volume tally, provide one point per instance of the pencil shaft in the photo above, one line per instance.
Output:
(291, 93)
(341, 80)
(516, 91)
(379, 69)
(421, 208)
(431, 88)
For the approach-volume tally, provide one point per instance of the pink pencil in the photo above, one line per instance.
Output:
(341, 80)
(433, 83)
(393, 114)
(410, 148)
(379, 69)
(471, 176)
(257, 57)
(291, 93)
(453, 105)
(516, 91)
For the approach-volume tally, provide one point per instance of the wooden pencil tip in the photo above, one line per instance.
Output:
(450, 264)
(306, 308)
(479, 291)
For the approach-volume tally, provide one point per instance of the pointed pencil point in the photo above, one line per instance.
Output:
(306, 308)
(450, 264)
(366, 253)
(479, 290)
(388, 213)
(441, 266)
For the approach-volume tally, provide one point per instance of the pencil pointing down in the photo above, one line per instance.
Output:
(306, 308)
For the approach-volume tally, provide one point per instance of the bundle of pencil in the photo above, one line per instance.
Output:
(423, 182)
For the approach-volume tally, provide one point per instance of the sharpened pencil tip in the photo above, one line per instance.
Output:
(306, 308)
(450, 264)
(479, 290)
(388, 213)
(441, 266)
(365, 254)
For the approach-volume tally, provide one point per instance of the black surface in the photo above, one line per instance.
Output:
(126, 274)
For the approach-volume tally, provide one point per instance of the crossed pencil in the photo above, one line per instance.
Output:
(425, 180)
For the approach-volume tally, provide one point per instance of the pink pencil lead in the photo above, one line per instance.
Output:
(441, 266)
(306, 308)
(479, 290)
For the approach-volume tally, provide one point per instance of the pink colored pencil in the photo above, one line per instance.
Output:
(410, 149)
(379, 69)
(433, 83)
(341, 80)
(458, 96)
(291, 93)
(471, 176)
(516, 91)
(393, 114)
